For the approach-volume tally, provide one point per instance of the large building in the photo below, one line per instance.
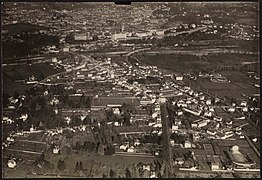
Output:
(82, 36)
(102, 102)
(118, 36)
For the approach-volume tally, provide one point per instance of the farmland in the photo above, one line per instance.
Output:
(192, 63)
(240, 82)
(21, 72)
(93, 166)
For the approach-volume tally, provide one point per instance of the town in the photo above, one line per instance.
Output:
(141, 91)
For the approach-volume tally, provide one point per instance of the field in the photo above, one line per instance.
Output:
(97, 165)
(21, 72)
(191, 63)
(239, 84)
(23, 27)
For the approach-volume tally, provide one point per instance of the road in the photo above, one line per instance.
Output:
(188, 31)
(30, 152)
(167, 146)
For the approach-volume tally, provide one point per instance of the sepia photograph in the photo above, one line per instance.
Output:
(138, 90)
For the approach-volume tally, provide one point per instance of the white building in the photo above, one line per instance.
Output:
(118, 36)
(131, 149)
(208, 102)
(56, 150)
(174, 127)
(214, 166)
(187, 144)
(80, 37)
(11, 163)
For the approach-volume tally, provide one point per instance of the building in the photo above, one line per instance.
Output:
(143, 33)
(66, 49)
(215, 166)
(187, 144)
(178, 77)
(174, 127)
(11, 163)
(199, 123)
(102, 102)
(239, 159)
(80, 37)
(119, 36)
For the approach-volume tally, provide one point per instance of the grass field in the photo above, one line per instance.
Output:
(192, 63)
(21, 72)
(239, 84)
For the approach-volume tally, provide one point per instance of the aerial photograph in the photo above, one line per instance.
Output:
(145, 90)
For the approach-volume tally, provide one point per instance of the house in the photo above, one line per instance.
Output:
(179, 113)
(10, 139)
(154, 115)
(178, 77)
(174, 127)
(116, 110)
(179, 161)
(24, 117)
(210, 132)
(162, 99)
(208, 114)
(244, 109)
(181, 103)
(56, 150)
(123, 147)
(208, 102)
(7, 120)
(231, 110)
(178, 122)
(146, 167)
(243, 103)
(201, 123)
(218, 119)
(131, 149)
(137, 142)
(54, 101)
(11, 163)
(117, 124)
(153, 174)
(157, 125)
(66, 49)
(187, 144)
(202, 98)
(32, 128)
(214, 166)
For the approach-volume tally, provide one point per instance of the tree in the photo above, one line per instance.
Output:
(5, 99)
(82, 100)
(42, 157)
(127, 118)
(112, 173)
(81, 166)
(87, 120)
(77, 166)
(16, 95)
(42, 76)
(110, 149)
(128, 173)
(78, 146)
(61, 165)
